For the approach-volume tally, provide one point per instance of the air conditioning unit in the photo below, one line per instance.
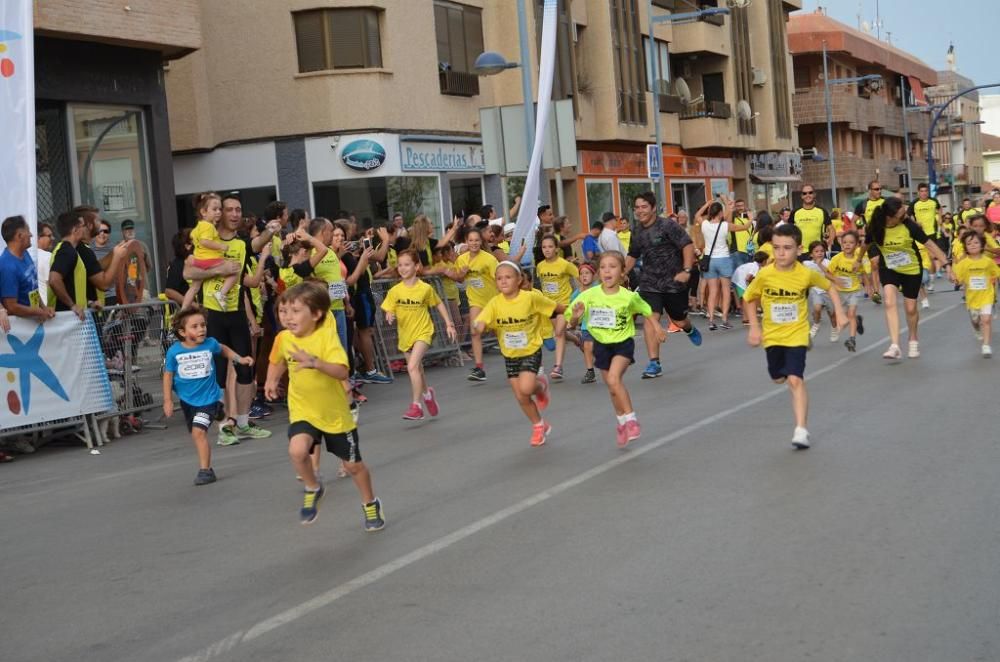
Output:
(759, 77)
(670, 103)
(808, 152)
(458, 83)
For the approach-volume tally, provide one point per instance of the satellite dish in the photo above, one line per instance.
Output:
(739, 4)
(682, 90)
(743, 110)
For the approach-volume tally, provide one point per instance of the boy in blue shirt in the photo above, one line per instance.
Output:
(591, 249)
(190, 372)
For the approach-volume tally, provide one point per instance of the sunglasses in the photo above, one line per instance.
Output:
(104, 232)
(808, 192)
(878, 188)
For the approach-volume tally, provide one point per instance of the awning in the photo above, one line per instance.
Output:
(918, 91)
(774, 179)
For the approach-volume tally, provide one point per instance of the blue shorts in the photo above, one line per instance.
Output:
(604, 353)
(341, 317)
(719, 267)
(786, 361)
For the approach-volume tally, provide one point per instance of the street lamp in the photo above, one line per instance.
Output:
(827, 82)
(906, 132)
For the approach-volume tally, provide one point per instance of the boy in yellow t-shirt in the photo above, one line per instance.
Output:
(782, 289)
(978, 273)
(847, 279)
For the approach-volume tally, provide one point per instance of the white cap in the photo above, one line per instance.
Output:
(496, 221)
(509, 228)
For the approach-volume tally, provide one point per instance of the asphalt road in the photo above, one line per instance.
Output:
(709, 539)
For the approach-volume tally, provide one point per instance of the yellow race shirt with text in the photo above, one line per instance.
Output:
(812, 223)
(870, 207)
(410, 305)
(556, 277)
(926, 211)
(236, 250)
(450, 287)
(480, 282)
(518, 321)
(842, 269)
(329, 271)
(899, 250)
(783, 295)
(979, 276)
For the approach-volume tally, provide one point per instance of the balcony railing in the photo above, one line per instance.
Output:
(716, 109)
(459, 83)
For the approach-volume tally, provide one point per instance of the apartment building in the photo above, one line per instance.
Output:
(958, 144)
(871, 132)
(101, 110)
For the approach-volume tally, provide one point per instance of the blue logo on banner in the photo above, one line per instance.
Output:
(363, 155)
(27, 361)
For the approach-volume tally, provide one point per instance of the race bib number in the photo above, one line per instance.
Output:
(845, 282)
(977, 283)
(194, 365)
(337, 290)
(602, 318)
(476, 283)
(784, 313)
(897, 260)
(515, 339)
(550, 288)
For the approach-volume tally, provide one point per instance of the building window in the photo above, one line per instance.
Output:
(662, 54)
(459, 31)
(779, 69)
(626, 44)
(564, 77)
(742, 65)
(338, 39)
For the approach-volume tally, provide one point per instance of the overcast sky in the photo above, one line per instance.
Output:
(921, 27)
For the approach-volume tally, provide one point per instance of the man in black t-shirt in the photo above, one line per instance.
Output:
(99, 279)
(67, 275)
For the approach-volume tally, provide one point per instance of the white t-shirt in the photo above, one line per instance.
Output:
(42, 260)
(721, 244)
(609, 241)
(809, 264)
(743, 273)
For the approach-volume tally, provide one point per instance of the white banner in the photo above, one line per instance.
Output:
(527, 215)
(52, 371)
(17, 113)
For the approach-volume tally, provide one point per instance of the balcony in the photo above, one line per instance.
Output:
(700, 37)
(711, 125)
(855, 173)
(859, 113)
(719, 109)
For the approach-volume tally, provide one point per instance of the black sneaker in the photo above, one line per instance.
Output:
(310, 505)
(861, 325)
(205, 476)
(712, 326)
(725, 326)
(589, 377)
(851, 344)
(374, 520)
(477, 375)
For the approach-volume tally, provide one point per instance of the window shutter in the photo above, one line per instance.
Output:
(309, 41)
(473, 37)
(441, 31)
(346, 38)
(456, 35)
(373, 55)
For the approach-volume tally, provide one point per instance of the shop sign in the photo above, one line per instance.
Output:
(592, 162)
(441, 157)
(363, 155)
(775, 164)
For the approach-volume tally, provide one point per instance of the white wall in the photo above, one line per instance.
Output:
(226, 169)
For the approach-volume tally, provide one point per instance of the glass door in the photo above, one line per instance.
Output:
(600, 199)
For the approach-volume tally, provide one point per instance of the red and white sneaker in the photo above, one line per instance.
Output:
(430, 402)
(414, 413)
(632, 430)
(539, 433)
(542, 398)
(621, 436)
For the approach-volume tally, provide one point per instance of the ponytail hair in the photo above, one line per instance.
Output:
(876, 228)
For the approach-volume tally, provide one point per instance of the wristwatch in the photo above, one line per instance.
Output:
(688, 270)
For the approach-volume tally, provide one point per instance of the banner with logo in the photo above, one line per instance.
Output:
(527, 215)
(51, 371)
(17, 112)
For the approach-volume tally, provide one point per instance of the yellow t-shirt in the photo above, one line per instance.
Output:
(978, 275)
(784, 296)
(925, 257)
(968, 213)
(926, 211)
(870, 207)
(517, 321)
(480, 282)
(410, 305)
(556, 279)
(769, 250)
(236, 251)
(842, 269)
(812, 223)
(313, 396)
(256, 295)
(450, 287)
(741, 237)
(504, 246)
(207, 231)
(328, 270)
(625, 236)
(898, 249)
(289, 277)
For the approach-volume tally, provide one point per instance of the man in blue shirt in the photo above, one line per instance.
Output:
(18, 274)
(591, 249)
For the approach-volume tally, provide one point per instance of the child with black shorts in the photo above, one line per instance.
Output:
(782, 288)
(309, 348)
(190, 372)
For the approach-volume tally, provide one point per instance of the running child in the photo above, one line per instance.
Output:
(408, 303)
(190, 372)
(610, 310)
(516, 315)
(818, 298)
(444, 266)
(209, 249)
(586, 280)
(782, 289)
(978, 273)
(309, 349)
(847, 275)
(556, 275)
(742, 277)
(477, 269)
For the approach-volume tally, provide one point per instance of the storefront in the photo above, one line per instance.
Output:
(771, 174)
(609, 181)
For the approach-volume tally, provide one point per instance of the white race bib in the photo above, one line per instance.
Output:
(845, 282)
(602, 318)
(784, 313)
(476, 283)
(550, 288)
(977, 283)
(515, 339)
(194, 365)
(337, 290)
(897, 260)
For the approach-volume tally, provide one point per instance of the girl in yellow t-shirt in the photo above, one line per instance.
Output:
(847, 279)
(978, 273)
(309, 350)
(516, 315)
(477, 269)
(209, 249)
(444, 266)
(557, 275)
(408, 303)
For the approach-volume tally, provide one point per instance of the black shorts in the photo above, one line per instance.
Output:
(342, 444)
(364, 310)
(604, 353)
(786, 361)
(675, 304)
(202, 416)
(943, 244)
(232, 330)
(908, 284)
(516, 366)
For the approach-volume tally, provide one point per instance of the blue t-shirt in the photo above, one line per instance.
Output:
(590, 245)
(18, 277)
(194, 372)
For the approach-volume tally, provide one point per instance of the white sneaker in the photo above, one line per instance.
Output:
(987, 352)
(893, 353)
(930, 286)
(914, 350)
(834, 335)
(813, 330)
(925, 304)
(800, 439)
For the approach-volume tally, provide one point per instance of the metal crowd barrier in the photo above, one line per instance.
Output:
(387, 336)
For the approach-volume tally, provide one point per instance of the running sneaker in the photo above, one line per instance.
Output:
(374, 516)
(861, 325)
(925, 304)
(877, 299)
(712, 326)
(251, 431)
(310, 505)
(632, 430)
(589, 377)
(851, 344)
(813, 330)
(430, 402)
(653, 370)
(227, 436)
(621, 436)
(987, 354)
(694, 335)
(834, 334)
(542, 398)
(725, 326)
(539, 432)
(259, 410)
(893, 353)
(414, 413)
(205, 476)
(375, 377)
(556, 374)
(477, 375)
(930, 286)
(800, 439)
(913, 350)
(673, 328)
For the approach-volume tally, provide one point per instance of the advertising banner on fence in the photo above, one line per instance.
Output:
(17, 112)
(51, 371)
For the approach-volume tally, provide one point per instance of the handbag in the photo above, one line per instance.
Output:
(705, 260)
